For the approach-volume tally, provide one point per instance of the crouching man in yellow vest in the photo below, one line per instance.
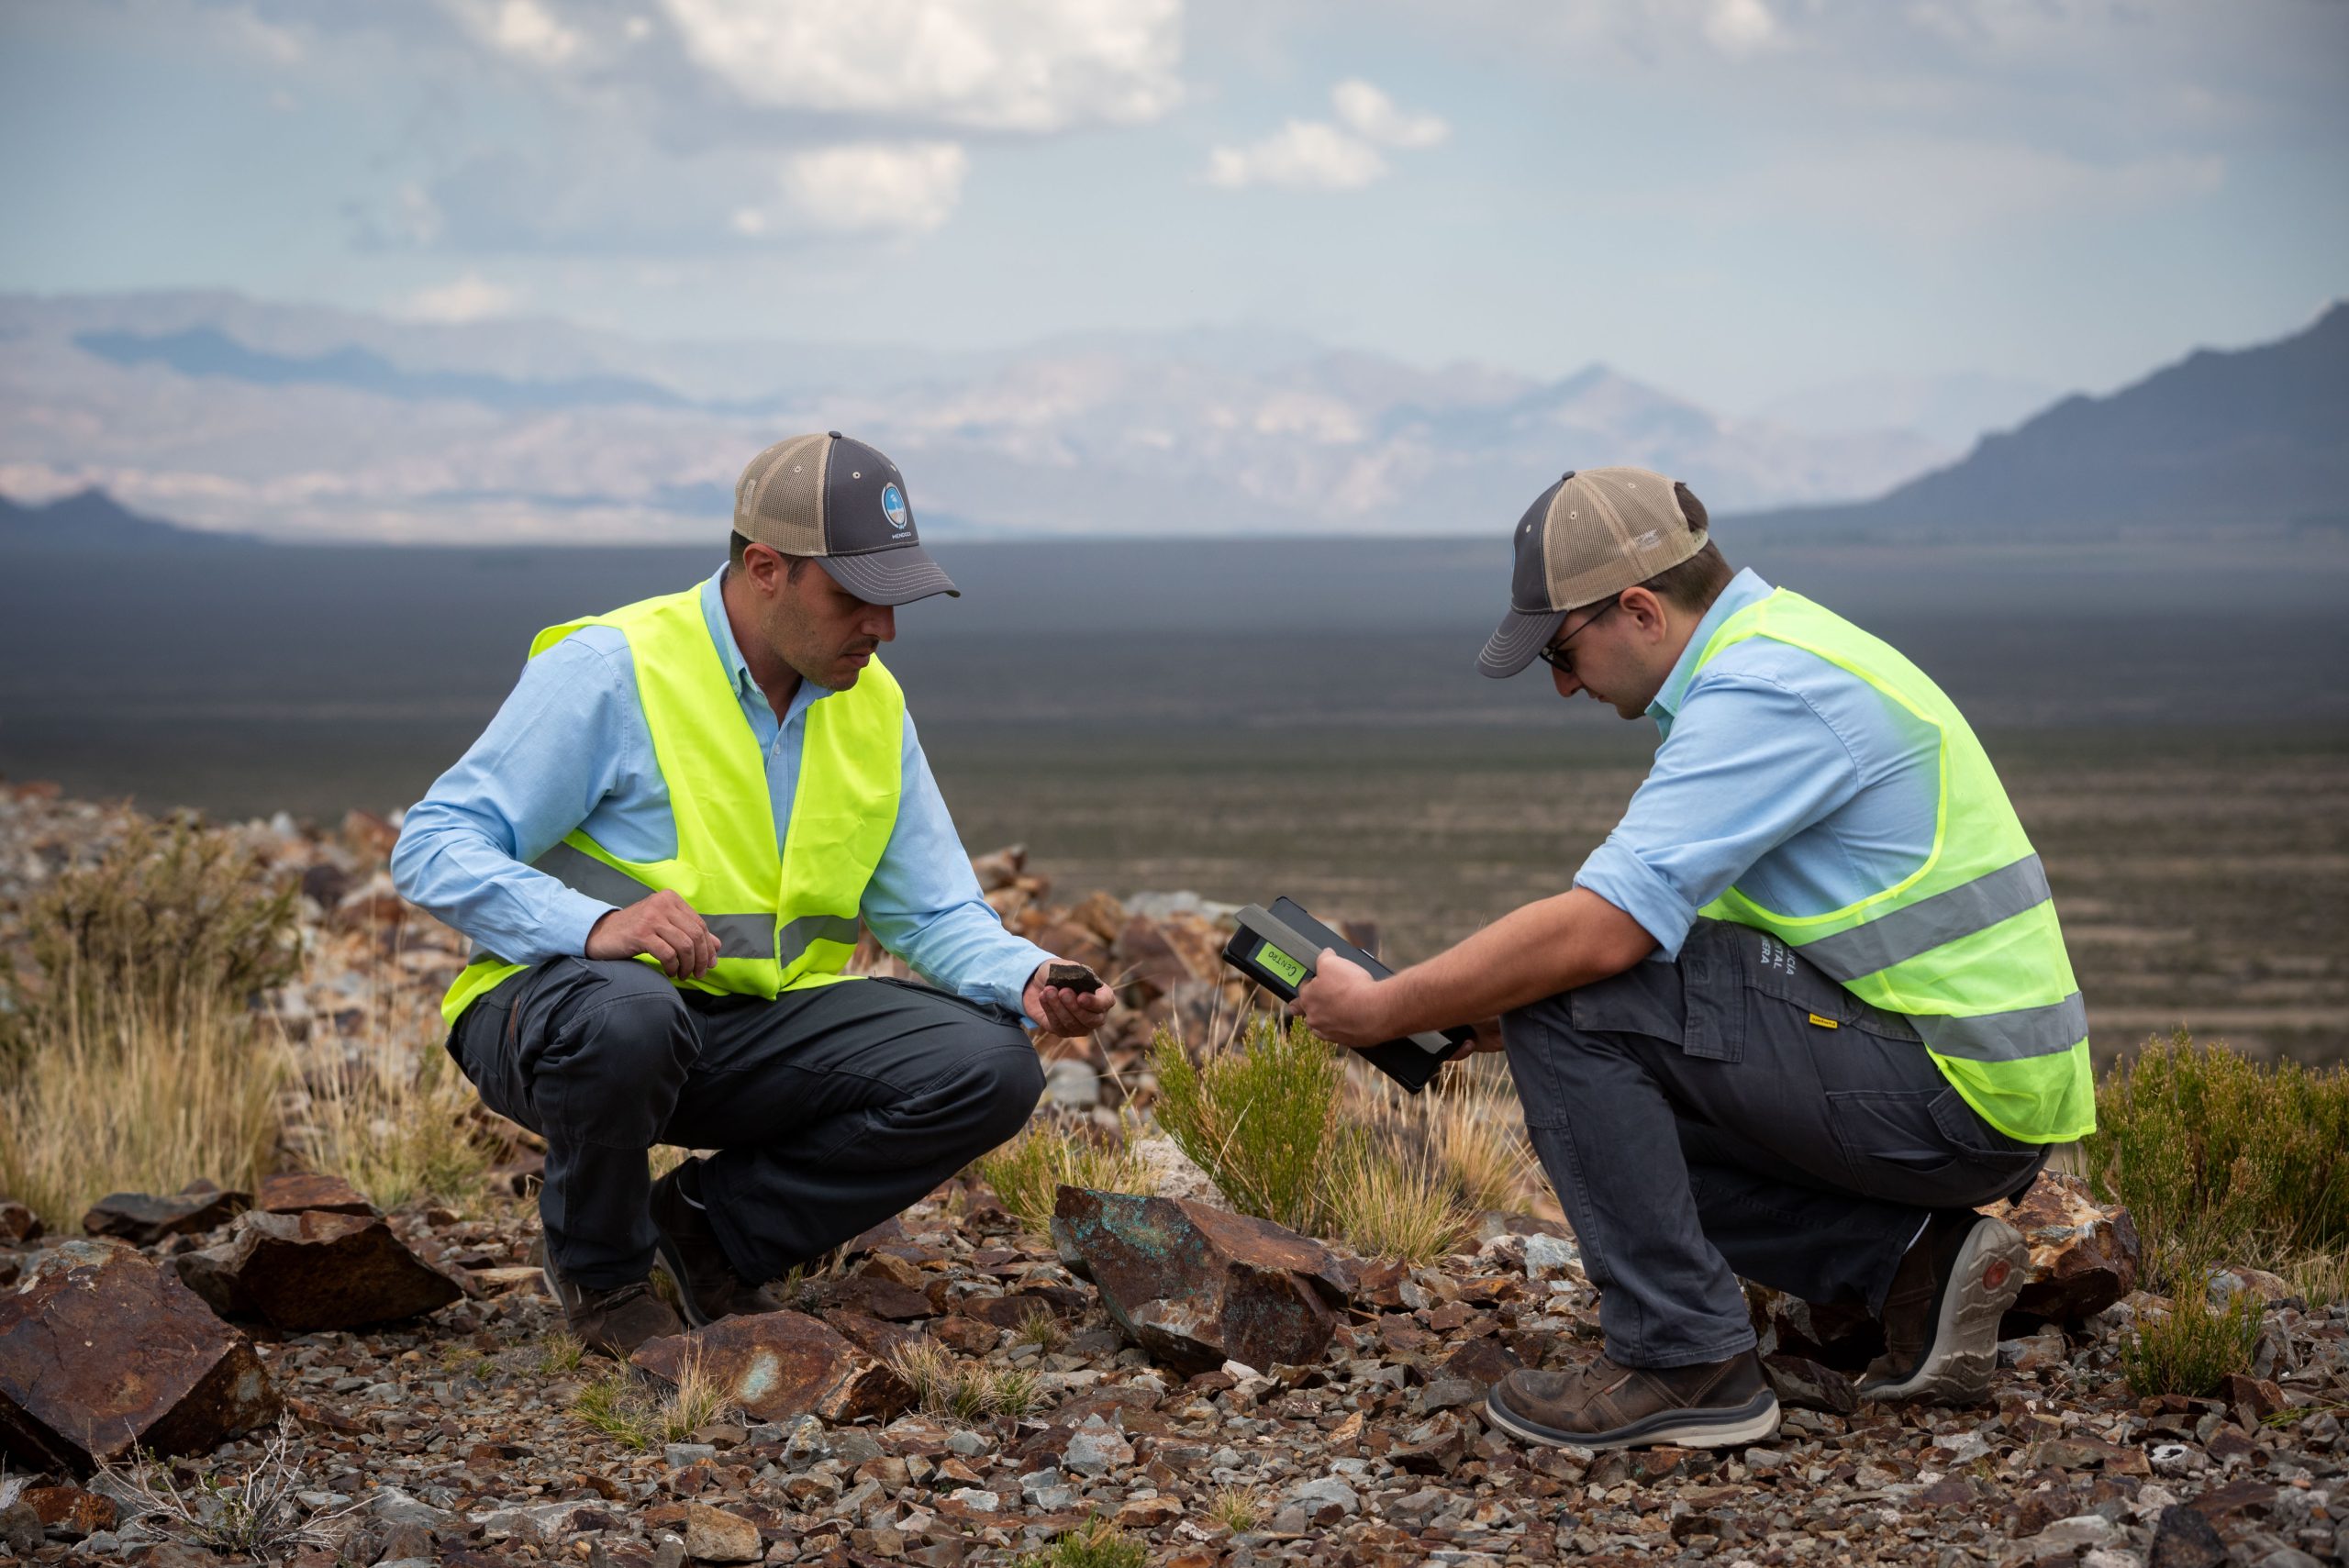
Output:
(662, 847)
(1804, 1009)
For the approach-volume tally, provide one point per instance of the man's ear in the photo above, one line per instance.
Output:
(1647, 610)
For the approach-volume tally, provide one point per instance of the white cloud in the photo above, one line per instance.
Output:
(1314, 155)
(1740, 27)
(524, 30)
(469, 298)
(1372, 115)
(1025, 65)
(1303, 155)
(870, 188)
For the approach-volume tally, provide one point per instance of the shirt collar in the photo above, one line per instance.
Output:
(721, 633)
(1744, 589)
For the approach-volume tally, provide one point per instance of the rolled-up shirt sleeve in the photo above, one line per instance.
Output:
(924, 905)
(554, 751)
(1749, 763)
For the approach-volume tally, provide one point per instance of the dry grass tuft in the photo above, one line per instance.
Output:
(1237, 1508)
(397, 1124)
(126, 1097)
(952, 1389)
(629, 1408)
(1028, 1171)
(1260, 1119)
(1387, 1204)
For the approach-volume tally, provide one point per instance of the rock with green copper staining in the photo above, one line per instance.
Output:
(101, 1351)
(1197, 1287)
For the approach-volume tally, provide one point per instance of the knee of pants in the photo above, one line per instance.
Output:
(1006, 1080)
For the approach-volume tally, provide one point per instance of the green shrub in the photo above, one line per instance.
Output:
(2219, 1157)
(2189, 1350)
(1028, 1171)
(1261, 1119)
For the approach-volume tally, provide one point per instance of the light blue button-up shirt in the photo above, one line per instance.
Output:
(570, 748)
(1778, 773)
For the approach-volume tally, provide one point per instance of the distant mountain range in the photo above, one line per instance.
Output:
(225, 414)
(297, 423)
(2255, 439)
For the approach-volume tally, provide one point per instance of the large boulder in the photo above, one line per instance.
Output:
(2085, 1255)
(318, 1270)
(1198, 1286)
(778, 1366)
(101, 1350)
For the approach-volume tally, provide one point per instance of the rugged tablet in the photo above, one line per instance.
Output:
(1277, 948)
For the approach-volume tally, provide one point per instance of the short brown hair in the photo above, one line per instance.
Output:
(1696, 582)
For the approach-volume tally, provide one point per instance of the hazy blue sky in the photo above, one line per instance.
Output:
(1732, 198)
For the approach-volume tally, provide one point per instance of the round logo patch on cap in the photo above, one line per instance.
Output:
(892, 507)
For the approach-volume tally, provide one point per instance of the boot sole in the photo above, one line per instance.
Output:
(1719, 1427)
(1983, 1282)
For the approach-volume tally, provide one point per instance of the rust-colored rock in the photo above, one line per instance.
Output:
(1806, 1385)
(321, 1270)
(17, 1223)
(143, 1219)
(2084, 1255)
(75, 1510)
(101, 1350)
(1197, 1287)
(1100, 914)
(777, 1365)
(293, 1192)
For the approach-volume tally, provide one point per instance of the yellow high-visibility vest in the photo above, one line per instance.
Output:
(786, 916)
(1967, 945)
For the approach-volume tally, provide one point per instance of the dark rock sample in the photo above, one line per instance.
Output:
(294, 1192)
(142, 1218)
(319, 1270)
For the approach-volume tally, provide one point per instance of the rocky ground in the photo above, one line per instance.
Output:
(1220, 1391)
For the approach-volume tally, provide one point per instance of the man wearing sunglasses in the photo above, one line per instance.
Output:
(1805, 1009)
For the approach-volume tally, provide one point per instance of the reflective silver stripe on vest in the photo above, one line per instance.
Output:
(2007, 1037)
(752, 936)
(1921, 927)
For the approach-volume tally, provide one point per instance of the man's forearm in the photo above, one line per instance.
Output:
(1531, 952)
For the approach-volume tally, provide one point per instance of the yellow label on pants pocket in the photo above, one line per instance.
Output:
(1824, 1023)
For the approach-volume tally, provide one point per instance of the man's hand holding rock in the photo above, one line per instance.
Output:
(1063, 1011)
(662, 928)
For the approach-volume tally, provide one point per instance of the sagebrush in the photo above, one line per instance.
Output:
(2222, 1159)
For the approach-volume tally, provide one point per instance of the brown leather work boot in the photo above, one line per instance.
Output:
(1723, 1404)
(686, 1244)
(615, 1322)
(1941, 1320)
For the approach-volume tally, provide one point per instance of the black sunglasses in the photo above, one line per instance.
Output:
(1557, 656)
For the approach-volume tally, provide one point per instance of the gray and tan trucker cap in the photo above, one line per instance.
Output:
(844, 504)
(1593, 534)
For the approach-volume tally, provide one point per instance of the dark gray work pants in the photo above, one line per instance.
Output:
(831, 1108)
(1699, 1127)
